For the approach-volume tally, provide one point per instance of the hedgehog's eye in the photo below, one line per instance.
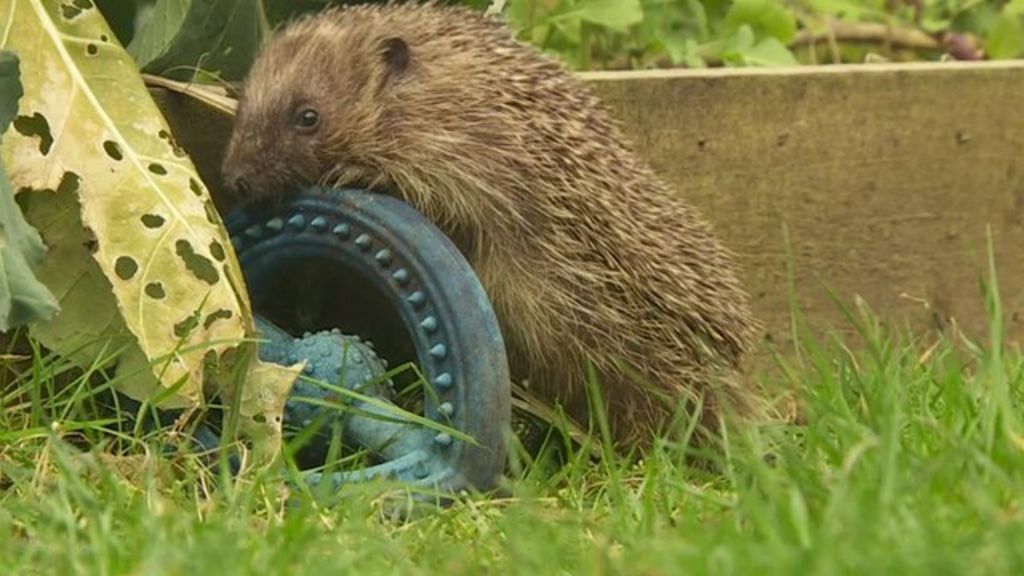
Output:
(307, 119)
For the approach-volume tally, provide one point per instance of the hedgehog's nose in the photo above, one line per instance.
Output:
(236, 183)
(241, 187)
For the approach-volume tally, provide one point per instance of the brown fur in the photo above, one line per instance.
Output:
(583, 251)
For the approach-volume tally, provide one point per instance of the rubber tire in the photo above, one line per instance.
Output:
(439, 299)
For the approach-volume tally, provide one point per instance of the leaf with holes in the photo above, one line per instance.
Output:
(182, 37)
(104, 176)
(23, 298)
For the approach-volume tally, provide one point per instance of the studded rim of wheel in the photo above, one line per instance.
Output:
(444, 310)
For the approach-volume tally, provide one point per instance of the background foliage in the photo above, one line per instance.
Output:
(631, 34)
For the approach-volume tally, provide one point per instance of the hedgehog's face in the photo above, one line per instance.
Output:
(308, 113)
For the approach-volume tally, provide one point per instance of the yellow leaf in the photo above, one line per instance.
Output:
(86, 118)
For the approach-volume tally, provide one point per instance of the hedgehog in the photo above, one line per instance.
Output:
(598, 272)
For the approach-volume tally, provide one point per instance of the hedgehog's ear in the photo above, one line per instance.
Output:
(395, 53)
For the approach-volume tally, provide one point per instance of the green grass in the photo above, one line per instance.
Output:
(907, 458)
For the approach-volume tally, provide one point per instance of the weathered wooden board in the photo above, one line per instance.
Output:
(886, 176)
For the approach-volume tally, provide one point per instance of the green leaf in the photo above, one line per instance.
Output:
(10, 89)
(694, 17)
(693, 57)
(767, 18)
(977, 20)
(570, 28)
(1006, 38)
(732, 48)
(934, 25)
(849, 10)
(1014, 8)
(672, 26)
(677, 48)
(519, 16)
(121, 16)
(23, 298)
(157, 33)
(742, 49)
(614, 14)
(185, 38)
(768, 52)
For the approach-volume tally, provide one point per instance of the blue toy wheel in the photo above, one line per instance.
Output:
(364, 264)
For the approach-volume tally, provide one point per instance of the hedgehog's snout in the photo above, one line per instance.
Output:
(236, 183)
(243, 173)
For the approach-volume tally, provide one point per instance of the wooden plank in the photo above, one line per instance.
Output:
(886, 176)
